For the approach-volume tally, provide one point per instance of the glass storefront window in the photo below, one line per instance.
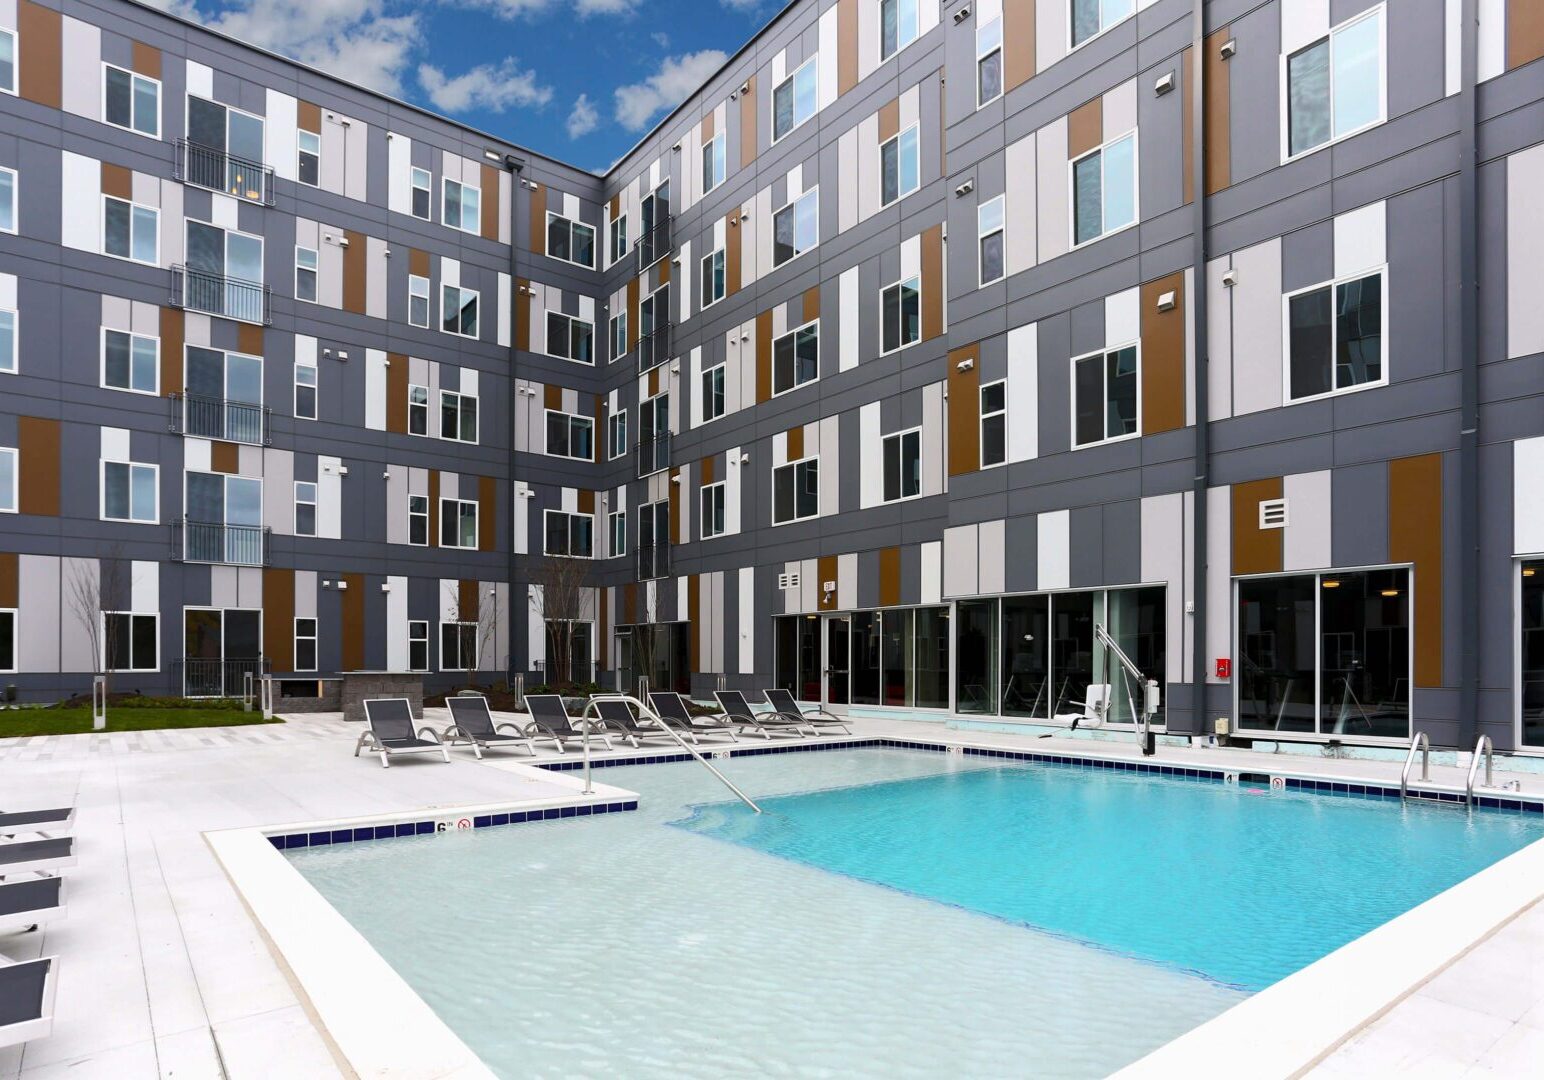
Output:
(797, 663)
(1026, 654)
(1276, 654)
(1137, 625)
(1073, 659)
(976, 656)
(865, 658)
(897, 629)
(930, 684)
(1531, 647)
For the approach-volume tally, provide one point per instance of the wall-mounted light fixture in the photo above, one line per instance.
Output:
(962, 14)
(1228, 48)
(1229, 278)
(965, 189)
(1164, 84)
(1166, 301)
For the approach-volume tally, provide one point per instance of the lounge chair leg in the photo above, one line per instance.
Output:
(445, 751)
(385, 764)
(477, 750)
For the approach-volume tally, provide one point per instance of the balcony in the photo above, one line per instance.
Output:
(216, 294)
(654, 560)
(213, 678)
(654, 347)
(217, 542)
(653, 245)
(216, 418)
(653, 454)
(212, 168)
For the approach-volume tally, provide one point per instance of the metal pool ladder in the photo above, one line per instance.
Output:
(649, 714)
(1484, 747)
(1423, 744)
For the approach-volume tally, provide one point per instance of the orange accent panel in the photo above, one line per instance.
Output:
(1218, 96)
(354, 622)
(539, 220)
(764, 356)
(147, 60)
(889, 120)
(964, 411)
(10, 579)
(1019, 42)
(1524, 32)
(279, 618)
(748, 133)
(225, 457)
(171, 349)
(249, 339)
(827, 567)
(1255, 550)
(39, 45)
(117, 181)
(1415, 537)
(1163, 356)
(1085, 128)
(487, 514)
(396, 393)
(354, 272)
(796, 443)
(932, 282)
(308, 117)
(889, 576)
(490, 202)
(552, 396)
(846, 45)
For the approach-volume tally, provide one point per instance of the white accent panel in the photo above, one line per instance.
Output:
(847, 581)
(1050, 34)
(75, 652)
(329, 499)
(1524, 251)
(1118, 109)
(375, 389)
(279, 138)
(847, 320)
(115, 444)
(399, 180)
(1019, 214)
(1122, 318)
(81, 92)
(1163, 560)
(396, 624)
(1492, 35)
(450, 272)
(1257, 321)
(1305, 544)
(991, 554)
(506, 311)
(38, 602)
(1302, 23)
(80, 183)
(1219, 581)
(224, 211)
(1024, 392)
(200, 81)
(1452, 41)
(1528, 496)
(305, 594)
(145, 586)
(826, 60)
(932, 572)
(195, 455)
(960, 565)
(870, 462)
(522, 518)
(1360, 239)
(1053, 536)
(1052, 182)
(747, 611)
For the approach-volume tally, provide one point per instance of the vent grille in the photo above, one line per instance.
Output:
(788, 581)
(1273, 513)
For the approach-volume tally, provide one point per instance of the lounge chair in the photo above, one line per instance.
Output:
(27, 999)
(28, 856)
(618, 715)
(391, 732)
(550, 719)
(671, 708)
(472, 723)
(29, 902)
(738, 711)
(783, 704)
(56, 821)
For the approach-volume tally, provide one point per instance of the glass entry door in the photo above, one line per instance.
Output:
(838, 689)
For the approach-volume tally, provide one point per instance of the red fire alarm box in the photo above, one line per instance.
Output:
(1224, 668)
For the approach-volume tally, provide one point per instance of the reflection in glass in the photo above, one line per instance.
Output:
(1276, 654)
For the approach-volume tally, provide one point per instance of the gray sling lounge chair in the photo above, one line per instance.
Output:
(27, 856)
(27, 999)
(391, 732)
(738, 711)
(472, 723)
(56, 821)
(671, 708)
(30, 902)
(619, 716)
(783, 704)
(550, 719)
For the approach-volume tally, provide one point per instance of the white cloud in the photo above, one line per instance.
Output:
(583, 119)
(514, 9)
(486, 86)
(677, 76)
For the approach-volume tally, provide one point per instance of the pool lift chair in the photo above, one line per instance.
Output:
(1130, 673)
(672, 711)
(472, 723)
(738, 711)
(784, 704)
(550, 720)
(391, 732)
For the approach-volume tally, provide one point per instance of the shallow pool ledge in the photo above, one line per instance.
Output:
(1291, 1026)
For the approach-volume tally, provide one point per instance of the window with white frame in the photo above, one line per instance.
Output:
(570, 338)
(994, 424)
(1090, 18)
(458, 311)
(305, 274)
(461, 206)
(1106, 401)
(8, 342)
(131, 362)
(713, 162)
(989, 240)
(570, 535)
(1335, 338)
(308, 157)
(1335, 87)
(232, 144)
(458, 645)
(900, 315)
(418, 645)
(458, 524)
(898, 26)
(8, 200)
(418, 301)
(305, 391)
(8, 456)
(420, 182)
(713, 403)
(131, 101)
(131, 641)
(616, 434)
(619, 335)
(1104, 189)
(7, 61)
(130, 492)
(989, 61)
(305, 644)
(458, 416)
(570, 435)
(796, 358)
(796, 227)
(712, 510)
(417, 410)
(618, 236)
(796, 491)
(899, 166)
(617, 524)
(305, 508)
(418, 520)
(795, 99)
(902, 465)
(129, 231)
(570, 241)
(713, 280)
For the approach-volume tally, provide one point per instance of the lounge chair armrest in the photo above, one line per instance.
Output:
(452, 733)
(822, 714)
(515, 728)
(430, 732)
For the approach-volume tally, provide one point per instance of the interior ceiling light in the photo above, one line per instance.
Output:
(1331, 584)
(1390, 592)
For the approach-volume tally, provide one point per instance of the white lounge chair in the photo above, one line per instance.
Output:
(671, 708)
(473, 724)
(783, 704)
(738, 711)
(391, 732)
(54, 822)
(36, 856)
(27, 999)
(550, 719)
(29, 902)
(617, 715)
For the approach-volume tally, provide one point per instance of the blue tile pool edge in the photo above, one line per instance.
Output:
(329, 837)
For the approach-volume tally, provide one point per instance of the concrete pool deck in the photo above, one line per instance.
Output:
(164, 972)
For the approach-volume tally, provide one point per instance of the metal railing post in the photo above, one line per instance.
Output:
(246, 691)
(99, 702)
(644, 712)
(267, 697)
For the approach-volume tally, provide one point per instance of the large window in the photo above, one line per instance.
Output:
(8, 200)
(989, 240)
(713, 401)
(898, 26)
(570, 241)
(713, 162)
(7, 62)
(713, 510)
(570, 436)
(458, 311)
(1104, 189)
(131, 361)
(462, 207)
(796, 358)
(900, 171)
(224, 272)
(130, 492)
(994, 424)
(899, 657)
(130, 641)
(989, 61)
(1335, 337)
(1105, 401)
(131, 101)
(796, 491)
(1530, 649)
(130, 231)
(1090, 18)
(458, 524)
(227, 150)
(900, 315)
(616, 434)
(568, 534)
(713, 279)
(419, 181)
(795, 99)
(1335, 86)
(796, 227)
(903, 465)
(1325, 654)
(8, 341)
(797, 666)
(305, 644)
(458, 646)
(458, 417)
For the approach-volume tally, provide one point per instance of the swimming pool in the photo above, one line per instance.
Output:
(893, 913)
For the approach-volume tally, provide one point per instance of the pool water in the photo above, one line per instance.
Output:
(894, 913)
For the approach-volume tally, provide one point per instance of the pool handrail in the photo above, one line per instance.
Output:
(1487, 748)
(648, 714)
(1421, 742)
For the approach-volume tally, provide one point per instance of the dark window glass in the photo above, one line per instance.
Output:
(783, 235)
(557, 238)
(1364, 623)
(865, 658)
(976, 656)
(581, 344)
(991, 257)
(1276, 653)
(1088, 198)
(1121, 387)
(1137, 621)
(891, 317)
(584, 245)
(890, 171)
(421, 210)
(206, 126)
(930, 659)
(809, 488)
(7, 640)
(557, 534)
(1531, 649)
(1085, 20)
(305, 519)
(120, 97)
(1308, 97)
(1072, 650)
(896, 656)
(911, 314)
(1308, 336)
(1088, 399)
(1359, 331)
(991, 76)
(116, 225)
(782, 495)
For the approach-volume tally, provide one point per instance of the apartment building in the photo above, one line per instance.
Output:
(920, 340)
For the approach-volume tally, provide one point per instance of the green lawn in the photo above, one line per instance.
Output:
(15, 723)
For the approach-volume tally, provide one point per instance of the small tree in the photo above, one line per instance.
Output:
(563, 597)
(477, 614)
(88, 582)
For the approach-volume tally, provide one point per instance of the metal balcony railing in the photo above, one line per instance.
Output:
(653, 454)
(216, 542)
(654, 560)
(216, 294)
(219, 677)
(654, 347)
(212, 168)
(653, 245)
(216, 418)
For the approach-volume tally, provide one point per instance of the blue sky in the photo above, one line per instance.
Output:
(580, 80)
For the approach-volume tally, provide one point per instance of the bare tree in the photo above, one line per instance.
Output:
(89, 581)
(563, 598)
(477, 613)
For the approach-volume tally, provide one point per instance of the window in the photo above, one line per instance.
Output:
(418, 410)
(616, 434)
(713, 282)
(994, 424)
(305, 508)
(131, 362)
(8, 61)
(619, 335)
(617, 521)
(420, 181)
(796, 227)
(713, 393)
(130, 642)
(900, 315)
(8, 200)
(1104, 189)
(1090, 18)
(7, 479)
(989, 233)
(308, 157)
(305, 274)
(128, 231)
(570, 436)
(458, 524)
(713, 510)
(130, 492)
(568, 534)
(224, 273)
(458, 646)
(1335, 86)
(903, 465)
(570, 241)
(305, 644)
(900, 172)
(796, 491)
(897, 26)
(1530, 648)
(1104, 396)
(131, 101)
(8, 342)
(654, 435)
(458, 416)
(418, 301)
(1335, 337)
(458, 311)
(795, 99)
(418, 520)
(713, 162)
(418, 645)
(796, 359)
(570, 338)
(989, 61)
(224, 397)
(654, 540)
(229, 154)
(305, 391)
(462, 206)
(618, 237)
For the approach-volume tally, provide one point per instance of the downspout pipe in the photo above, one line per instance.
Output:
(514, 166)
(1467, 505)
(1198, 315)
